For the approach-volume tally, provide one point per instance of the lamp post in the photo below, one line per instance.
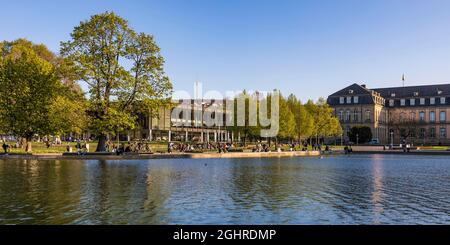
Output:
(392, 139)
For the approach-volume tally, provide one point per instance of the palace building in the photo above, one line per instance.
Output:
(413, 114)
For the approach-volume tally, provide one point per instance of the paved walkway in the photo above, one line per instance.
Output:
(108, 156)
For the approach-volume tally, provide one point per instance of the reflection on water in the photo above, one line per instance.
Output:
(336, 190)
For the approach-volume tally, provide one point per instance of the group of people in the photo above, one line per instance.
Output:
(82, 148)
(261, 148)
(135, 147)
(184, 147)
(7, 147)
(292, 147)
(348, 149)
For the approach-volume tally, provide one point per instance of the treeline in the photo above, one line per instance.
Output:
(298, 122)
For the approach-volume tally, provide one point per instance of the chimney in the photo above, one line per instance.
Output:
(363, 85)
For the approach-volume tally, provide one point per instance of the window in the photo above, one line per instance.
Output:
(355, 116)
(391, 103)
(442, 100)
(422, 133)
(356, 99)
(443, 132)
(368, 115)
(412, 116)
(432, 116)
(432, 101)
(349, 100)
(412, 102)
(422, 101)
(442, 116)
(401, 116)
(348, 118)
(341, 100)
(402, 102)
(432, 132)
(422, 116)
(341, 115)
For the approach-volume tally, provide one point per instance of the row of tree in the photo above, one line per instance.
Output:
(298, 122)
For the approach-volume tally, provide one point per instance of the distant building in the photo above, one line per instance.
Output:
(162, 126)
(415, 114)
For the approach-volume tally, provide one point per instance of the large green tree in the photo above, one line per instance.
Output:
(38, 95)
(244, 123)
(325, 124)
(121, 68)
(304, 122)
(28, 88)
(287, 121)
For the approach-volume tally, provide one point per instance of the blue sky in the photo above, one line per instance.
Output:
(310, 48)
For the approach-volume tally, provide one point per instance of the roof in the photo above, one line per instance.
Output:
(415, 91)
(354, 89)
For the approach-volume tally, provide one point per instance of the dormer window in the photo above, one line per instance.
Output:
(439, 92)
(393, 95)
(350, 91)
(416, 93)
(422, 101)
(349, 100)
(432, 101)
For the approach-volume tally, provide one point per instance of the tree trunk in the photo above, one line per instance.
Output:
(28, 148)
(101, 147)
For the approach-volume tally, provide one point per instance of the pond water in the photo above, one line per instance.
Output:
(357, 189)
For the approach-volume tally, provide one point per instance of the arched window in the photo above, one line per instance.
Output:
(422, 116)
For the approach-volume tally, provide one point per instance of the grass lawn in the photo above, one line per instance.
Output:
(41, 148)
(435, 148)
